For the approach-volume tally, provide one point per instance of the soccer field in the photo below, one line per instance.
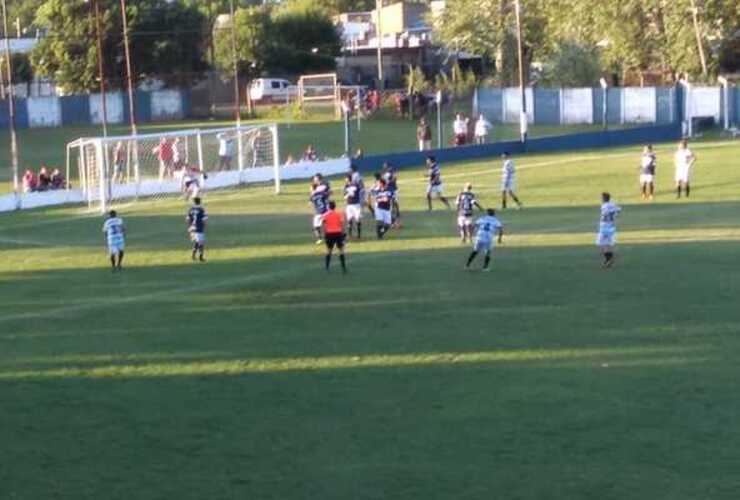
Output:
(258, 375)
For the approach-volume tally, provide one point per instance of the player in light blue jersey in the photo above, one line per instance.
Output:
(606, 238)
(114, 231)
(487, 226)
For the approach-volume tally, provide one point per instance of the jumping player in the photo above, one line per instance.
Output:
(334, 235)
(684, 161)
(383, 202)
(353, 210)
(606, 237)
(487, 226)
(508, 180)
(191, 182)
(647, 173)
(466, 202)
(196, 219)
(434, 173)
(115, 232)
(320, 192)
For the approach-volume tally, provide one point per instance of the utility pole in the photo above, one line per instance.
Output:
(11, 103)
(697, 32)
(129, 75)
(523, 113)
(101, 73)
(237, 111)
(379, 37)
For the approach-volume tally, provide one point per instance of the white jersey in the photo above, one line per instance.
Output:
(608, 216)
(460, 127)
(684, 158)
(487, 226)
(482, 126)
(113, 229)
(508, 170)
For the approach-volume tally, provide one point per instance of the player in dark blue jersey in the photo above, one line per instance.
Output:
(353, 210)
(383, 203)
(434, 174)
(390, 176)
(466, 202)
(196, 220)
(319, 199)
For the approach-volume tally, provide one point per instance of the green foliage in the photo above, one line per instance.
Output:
(572, 65)
(164, 38)
(416, 80)
(288, 40)
(22, 68)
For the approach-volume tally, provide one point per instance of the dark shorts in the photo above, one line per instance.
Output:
(334, 240)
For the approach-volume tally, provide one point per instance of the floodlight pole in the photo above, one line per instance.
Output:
(237, 113)
(726, 88)
(11, 104)
(687, 99)
(520, 51)
(438, 100)
(379, 36)
(129, 75)
(697, 33)
(347, 137)
(604, 87)
(101, 73)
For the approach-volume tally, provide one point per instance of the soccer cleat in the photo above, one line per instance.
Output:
(319, 241)
(486, 269)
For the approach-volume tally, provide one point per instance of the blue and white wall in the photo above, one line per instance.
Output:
(625, 105)
(53, 111)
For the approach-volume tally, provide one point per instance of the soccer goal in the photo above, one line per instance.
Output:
(123, 168)
(321, 90)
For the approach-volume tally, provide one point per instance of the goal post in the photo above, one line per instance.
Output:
(321, 89)
(114, 169)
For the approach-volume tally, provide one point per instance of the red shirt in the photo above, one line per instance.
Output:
(333, 222)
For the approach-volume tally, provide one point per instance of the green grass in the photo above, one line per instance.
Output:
(258, 375)
(381, 135)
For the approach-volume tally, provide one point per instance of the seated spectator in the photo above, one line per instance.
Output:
(57, 179)
(44, 179)
(30, 183)
(310, 154)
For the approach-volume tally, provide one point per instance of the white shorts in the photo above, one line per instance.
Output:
(383, 216)
(647, 178)
(464, 220)
(682, 174)
(425, 145)
(483, 244)
(199, 238)
(508, 183)
(606, 237)
(353, 212)
(115, 248)
(318, 221)
(435, 189)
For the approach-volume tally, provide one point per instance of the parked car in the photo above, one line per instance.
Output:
(271, 90)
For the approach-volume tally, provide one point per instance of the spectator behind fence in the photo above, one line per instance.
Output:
(310, 154)
(482, 129)
(30, 182)
(424, 135)
(225, 151)
(58, 181)
(359, 154)
(460, 129)
(44, 179)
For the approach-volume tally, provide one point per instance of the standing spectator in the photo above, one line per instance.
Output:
(178, 156)
(57, 179)
(225, 151)
(119, 162)
(165, 155)
(424, 135)
(44, 179)
(359, 154)
(460, 129)
(30, 183)
(482, 129)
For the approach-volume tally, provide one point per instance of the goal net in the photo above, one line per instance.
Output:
(187, 162)
(320, 92)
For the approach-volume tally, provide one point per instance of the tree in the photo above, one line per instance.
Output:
(165, 43)
(573, 65)
(286, 40)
